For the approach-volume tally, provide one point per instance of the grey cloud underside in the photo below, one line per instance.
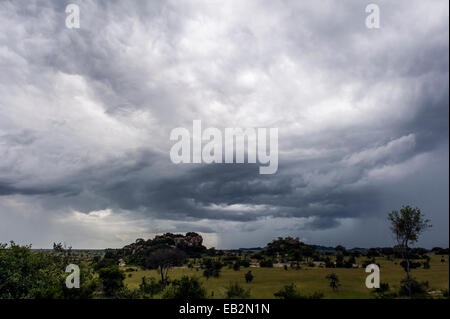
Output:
(141, 70)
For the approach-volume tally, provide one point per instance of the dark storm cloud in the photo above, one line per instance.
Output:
(87, 112)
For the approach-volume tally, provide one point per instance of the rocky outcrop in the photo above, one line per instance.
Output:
(191, 244)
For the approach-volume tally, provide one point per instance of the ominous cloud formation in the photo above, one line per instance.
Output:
(363, 118)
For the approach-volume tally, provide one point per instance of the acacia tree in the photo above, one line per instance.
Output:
(164, 259)
(406, 226)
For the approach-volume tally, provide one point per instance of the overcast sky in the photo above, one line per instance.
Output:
(86, 114)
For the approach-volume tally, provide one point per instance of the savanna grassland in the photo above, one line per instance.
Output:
(307, 279)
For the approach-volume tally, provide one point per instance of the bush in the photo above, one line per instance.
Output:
(211, 272)
(384, 292)
(186, 288)
(412, 265)
(212, 268)
(125, 293)
(290, 292)
(112, 279)
(150, 287)
(235, 291)
(249, 277)
(418, 289)
(333, 281)
(35, 275)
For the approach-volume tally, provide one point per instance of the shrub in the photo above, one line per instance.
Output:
(112, 279)
(125, 293)
(418, 289)
(384, 292)
(412, 265)
(235, 291)
(212, 268)
(150, 287)
(186, 288)
(249, 277)
(333, 281)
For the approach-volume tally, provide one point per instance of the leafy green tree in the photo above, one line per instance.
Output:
(407, 225)
(212, 268)
(163, 260)
(112, 279)
(187, 288)
(39, 275)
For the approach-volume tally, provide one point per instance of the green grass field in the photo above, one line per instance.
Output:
(308, 280)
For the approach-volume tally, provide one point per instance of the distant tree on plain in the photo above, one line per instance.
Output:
(163, 260)
(333, 280)
(249, 277)
(407, 225)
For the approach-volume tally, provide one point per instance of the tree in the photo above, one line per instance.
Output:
(212, 268)
(112, 279)
(406, 226)
(249, 277)
(340, 249)
(186, 288)
(339, 260)
(25, 274)
(163, 260)
(28, 275)
(333, 281)
(426, 263)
